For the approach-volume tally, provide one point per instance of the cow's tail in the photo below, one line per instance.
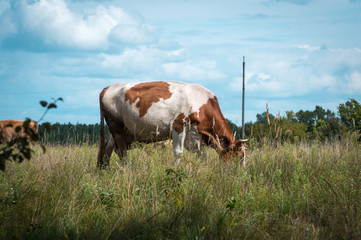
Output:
(102, 141)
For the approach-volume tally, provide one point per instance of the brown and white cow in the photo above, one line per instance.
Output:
(8, 131)
(155, 111)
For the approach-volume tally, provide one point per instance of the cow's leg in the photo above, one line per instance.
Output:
(178, 144)
(109, 147)
(120, 145)
(119, 137)
(193, 141)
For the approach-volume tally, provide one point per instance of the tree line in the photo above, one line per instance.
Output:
(66, 134)
(320, 124)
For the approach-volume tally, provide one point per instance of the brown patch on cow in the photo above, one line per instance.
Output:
(211, 123)
(179, 123)
(101, 95)
(148, 93)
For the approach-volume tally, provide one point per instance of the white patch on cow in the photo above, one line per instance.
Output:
(190, 96)
(178, 145)
(136, 101)
(112, 99)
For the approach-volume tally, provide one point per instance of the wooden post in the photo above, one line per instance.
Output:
(243, 88)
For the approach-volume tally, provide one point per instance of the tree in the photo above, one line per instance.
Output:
(307, 117)
(350, 113)
(262, 118)
(291, 116)
(329, 128)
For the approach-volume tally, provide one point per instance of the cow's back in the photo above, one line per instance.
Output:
(148, 110)
(7, 129)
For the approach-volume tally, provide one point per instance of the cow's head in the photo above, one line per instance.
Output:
(237, 150)
(34, 125)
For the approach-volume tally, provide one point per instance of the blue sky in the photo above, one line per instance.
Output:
(299, 53)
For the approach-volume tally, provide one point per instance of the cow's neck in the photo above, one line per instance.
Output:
(212, 124)
(223, 134)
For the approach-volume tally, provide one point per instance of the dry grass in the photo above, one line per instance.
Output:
(304, 191)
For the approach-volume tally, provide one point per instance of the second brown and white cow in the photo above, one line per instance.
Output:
(9, 133)
(148, 112)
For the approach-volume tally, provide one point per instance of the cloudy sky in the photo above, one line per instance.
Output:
(299, 53)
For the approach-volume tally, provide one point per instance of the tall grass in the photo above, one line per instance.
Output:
(292, 191)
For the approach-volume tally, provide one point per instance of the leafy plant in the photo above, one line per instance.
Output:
(172, 185)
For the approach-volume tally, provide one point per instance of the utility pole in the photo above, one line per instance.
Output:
(242, 134)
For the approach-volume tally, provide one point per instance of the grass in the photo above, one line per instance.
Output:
(292, 191)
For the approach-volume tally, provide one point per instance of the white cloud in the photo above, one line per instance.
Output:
(353, 85)
(301, 70)
(132, 60)
(135, 34)
(161, 64)
(58, 25)
(168, 44)
(307, 47)
(142, 57)
(267, 85)
(264, 77)
(272, 86)
(192, 70)
(321, 82)
(142, 60)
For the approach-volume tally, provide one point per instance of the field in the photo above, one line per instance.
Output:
(289, 191)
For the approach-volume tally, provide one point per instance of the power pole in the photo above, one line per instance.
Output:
(242, 134)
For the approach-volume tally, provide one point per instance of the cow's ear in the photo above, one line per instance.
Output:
(240, 143)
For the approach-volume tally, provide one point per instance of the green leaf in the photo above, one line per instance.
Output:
(43, 103)
(52, 105)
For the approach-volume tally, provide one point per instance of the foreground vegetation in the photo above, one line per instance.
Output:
(289, 191)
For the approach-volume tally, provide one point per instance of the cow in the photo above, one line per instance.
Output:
(9, 132)
(149, 112)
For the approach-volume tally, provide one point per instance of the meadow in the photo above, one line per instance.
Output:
(306, 190)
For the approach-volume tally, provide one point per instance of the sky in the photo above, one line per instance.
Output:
(298, 53)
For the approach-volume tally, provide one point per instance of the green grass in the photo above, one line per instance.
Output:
(293, 191)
